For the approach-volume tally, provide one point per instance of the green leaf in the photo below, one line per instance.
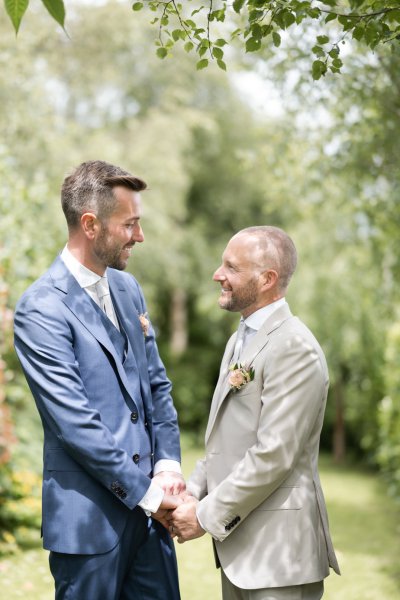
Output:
(337, 63)
(161, 52)
(218, 53)
(276, 38)
(318, 69)
(334, 53)
(330, 17)
(56, 9)
(220, 42)
(202, 64)
(318, 51)
(322, 39)
(221, 65)
(202, 50)
(16, 10)
(238, 5)
(289, 18)
(253, 44)
(256, 30)
(188, 46)
(358, 32)
(177, 34)
(137, 6)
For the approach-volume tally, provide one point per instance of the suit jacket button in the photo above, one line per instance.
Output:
(134, 417)
(136, 458)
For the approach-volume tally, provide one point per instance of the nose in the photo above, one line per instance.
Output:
(137, 234)
(219, 274)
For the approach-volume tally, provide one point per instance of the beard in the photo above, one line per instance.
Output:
(110, 251)
(241, 298)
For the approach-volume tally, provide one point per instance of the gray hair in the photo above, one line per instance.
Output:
(90, 188)
(277, 249)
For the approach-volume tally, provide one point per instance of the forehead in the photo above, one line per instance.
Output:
(242, 249)
(128, 204)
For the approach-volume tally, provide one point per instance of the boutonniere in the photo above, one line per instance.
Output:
(240, 376)
(145, 324)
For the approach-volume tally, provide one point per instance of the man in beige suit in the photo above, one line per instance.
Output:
(257, 492)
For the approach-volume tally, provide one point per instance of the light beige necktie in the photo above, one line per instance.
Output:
(239, 341)
(103, 293)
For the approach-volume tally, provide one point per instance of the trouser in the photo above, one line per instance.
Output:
(141, 567)
(308, 591)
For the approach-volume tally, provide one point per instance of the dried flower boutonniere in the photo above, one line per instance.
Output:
(240, 376)
(145, 324)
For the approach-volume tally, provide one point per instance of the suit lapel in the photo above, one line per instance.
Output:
(127, 314)
(258, 342)
(129, 319)
(84, 309)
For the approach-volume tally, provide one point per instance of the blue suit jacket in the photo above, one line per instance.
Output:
(85, 400)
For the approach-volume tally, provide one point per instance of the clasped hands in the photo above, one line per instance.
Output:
(177, 511)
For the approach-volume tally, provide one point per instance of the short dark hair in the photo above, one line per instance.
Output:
(90, 188)
(278, 249)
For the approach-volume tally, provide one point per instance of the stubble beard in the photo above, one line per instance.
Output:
(240, 299)
(109, 254)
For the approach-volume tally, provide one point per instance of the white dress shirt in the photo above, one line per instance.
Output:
(255, 321)
(87, 279)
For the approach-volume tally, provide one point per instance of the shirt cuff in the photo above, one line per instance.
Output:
(167, 465)
(152, 499)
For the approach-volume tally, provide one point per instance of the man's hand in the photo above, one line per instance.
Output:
(183, 521)
(168, 504)
(171, 482)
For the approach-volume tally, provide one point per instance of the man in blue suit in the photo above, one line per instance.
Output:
(111, 439)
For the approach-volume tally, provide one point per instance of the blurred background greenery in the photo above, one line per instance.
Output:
(262, 143)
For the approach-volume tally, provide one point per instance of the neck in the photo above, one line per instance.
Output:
(83, 254)
(250, 310)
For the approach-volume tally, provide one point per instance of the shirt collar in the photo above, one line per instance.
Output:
(84, 276)
(257, 318)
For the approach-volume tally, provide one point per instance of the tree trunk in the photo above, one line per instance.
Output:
(179, 325)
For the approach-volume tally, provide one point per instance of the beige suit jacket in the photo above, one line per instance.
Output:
(258, 485)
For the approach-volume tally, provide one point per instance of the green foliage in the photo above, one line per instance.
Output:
(17, 8)
(20, 514)
(388, 454)
(254, 24)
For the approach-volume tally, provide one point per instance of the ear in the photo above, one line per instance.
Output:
(90, 225)
(269, 279)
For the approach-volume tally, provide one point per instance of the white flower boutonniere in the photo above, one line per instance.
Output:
(145, 324)
(240, 376)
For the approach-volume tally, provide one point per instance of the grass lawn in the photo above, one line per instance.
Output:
(365, 526)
